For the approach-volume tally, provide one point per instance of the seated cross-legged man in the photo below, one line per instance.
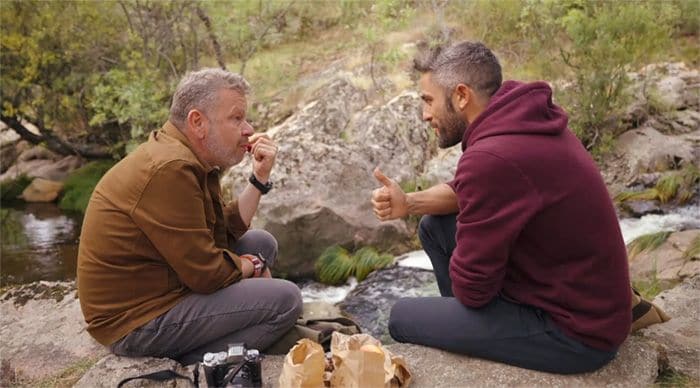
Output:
(166, 268)
(524, 241)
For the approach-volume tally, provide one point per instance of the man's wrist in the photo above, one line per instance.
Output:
(411, 204)
(262, 187)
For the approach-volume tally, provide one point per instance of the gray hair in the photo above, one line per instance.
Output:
(198, 90)
(469, 63)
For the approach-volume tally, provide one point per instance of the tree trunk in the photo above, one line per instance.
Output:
(55, 143)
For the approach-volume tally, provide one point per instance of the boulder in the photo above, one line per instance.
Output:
(56, 170)
(679, 338)
(641, 208)
(43, 330)
(370, 303)
(645, 150)
(42, 190)
(442, 167)
(323, 174)
(667, 262)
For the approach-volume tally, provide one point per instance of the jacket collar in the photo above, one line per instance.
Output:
(171, 130)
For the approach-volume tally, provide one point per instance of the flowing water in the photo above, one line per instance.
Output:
(40, 242)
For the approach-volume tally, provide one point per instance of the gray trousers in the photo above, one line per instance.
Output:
(256, 311)
(503, 330)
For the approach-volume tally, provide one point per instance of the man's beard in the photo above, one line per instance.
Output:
(226, 156)
(452, 128)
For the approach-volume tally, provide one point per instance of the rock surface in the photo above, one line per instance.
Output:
(109, 371)
(646, 150)
(42, 190)
(42, 329)
(680, 337)
(668, 261)
(369, 304)
(323, 174)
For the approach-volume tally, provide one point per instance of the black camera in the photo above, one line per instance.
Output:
(237, 367)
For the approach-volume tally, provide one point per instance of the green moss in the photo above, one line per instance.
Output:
(80, 184)
(693, 250)
(10, 190)
(368, 260)
(671, 378)
(334, 266)
(647, 242)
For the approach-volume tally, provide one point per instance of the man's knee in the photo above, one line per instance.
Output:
(289, 299)
(264, 242)
(399, 317)
(427, 226)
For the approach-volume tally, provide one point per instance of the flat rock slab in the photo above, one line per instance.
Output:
(680, 337)
(635, 366)
(42, 330)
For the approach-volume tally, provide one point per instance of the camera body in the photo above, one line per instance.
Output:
(236, 367)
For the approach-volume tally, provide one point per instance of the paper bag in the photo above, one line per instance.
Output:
(303, 366)
(360, 361)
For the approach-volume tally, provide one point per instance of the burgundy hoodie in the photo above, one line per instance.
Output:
(536, 223)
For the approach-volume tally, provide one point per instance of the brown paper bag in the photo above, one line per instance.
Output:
(303, 366)
(361, 361)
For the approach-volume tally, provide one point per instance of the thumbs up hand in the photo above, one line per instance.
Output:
(388, 201)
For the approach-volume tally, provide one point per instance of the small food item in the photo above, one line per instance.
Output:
(248, 147)
(371, 348)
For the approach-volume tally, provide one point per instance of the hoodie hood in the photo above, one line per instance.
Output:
(518, 108)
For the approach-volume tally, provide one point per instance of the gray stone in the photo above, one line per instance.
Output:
(641, 208)
(43, 330)
(109, 371)
(636, 365)
(370, 302)
(680, 337)
(56, 170)
(645, 150)
(323, 175)
(442, 167)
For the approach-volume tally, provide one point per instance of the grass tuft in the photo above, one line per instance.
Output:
(647, 242)
(670, 378)
(368, 260)
(334, 266)
(679, 185)
(693, 250)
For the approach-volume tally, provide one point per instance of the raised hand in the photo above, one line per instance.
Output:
(388, 201)
(264, 152)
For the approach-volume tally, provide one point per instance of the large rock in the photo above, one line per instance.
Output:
(636, 365)
(370, 302)
(51, 169)
(42, 329)
(680, 337)
(323, 177)
(42, 190)
(668, 261)
(111, 370)
(645, 150)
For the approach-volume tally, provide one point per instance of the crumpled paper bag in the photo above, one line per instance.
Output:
(303, 366)
(361, 361)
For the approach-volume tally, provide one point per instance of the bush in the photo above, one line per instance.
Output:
(334, 266)
(80, 184)
(11, 189)
(367, 260)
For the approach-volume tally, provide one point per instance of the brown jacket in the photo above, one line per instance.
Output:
(155, 231)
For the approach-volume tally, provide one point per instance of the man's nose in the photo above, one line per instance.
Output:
(247, 129)
(427, 116)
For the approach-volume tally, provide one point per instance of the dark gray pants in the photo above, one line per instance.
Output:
(255, 311)
(503, 330)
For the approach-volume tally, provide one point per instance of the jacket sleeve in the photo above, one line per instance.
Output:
(234, 223)
(496, 200)
(171, 214)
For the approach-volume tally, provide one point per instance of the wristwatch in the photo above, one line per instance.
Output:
(263, 188)
(259, 264)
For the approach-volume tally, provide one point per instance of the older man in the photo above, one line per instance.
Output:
(524, 240)
(165, 267)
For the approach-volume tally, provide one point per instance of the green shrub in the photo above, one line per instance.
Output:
(647, 242)
(80, 184)
(334, 266)
(11, 189)
(368, 260)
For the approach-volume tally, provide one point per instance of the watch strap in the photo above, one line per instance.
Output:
(264, 188)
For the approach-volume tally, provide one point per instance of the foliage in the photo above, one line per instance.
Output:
(11, 228)
(80, 184)
(11, 189)
(679, 185)
(334, 266)
(367, 260)
(647, 242)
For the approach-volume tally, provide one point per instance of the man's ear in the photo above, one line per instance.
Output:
(197, 123)
(463, 95)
